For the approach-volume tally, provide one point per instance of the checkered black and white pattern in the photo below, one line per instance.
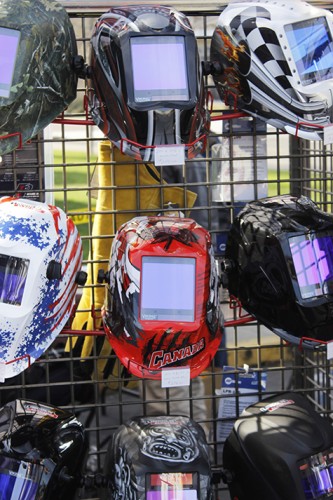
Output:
(256, 70)
(263, 42)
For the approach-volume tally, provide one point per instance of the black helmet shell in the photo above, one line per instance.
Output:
(138, 117)
(270, 445)
(48, 442)
(262, 271)
(146, 448)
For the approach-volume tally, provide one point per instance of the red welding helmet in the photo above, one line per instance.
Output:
(161, 308)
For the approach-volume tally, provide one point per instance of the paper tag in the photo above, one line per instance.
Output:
(2, 372)
(175, 377)
(234, 180)
(328, 135)
(329, 350)
(239, 391)
(169, 155)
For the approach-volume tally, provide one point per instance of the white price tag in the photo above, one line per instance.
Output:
(328, 135)
(169, 155)
(2, 372)
(175, 377)
(330, 350)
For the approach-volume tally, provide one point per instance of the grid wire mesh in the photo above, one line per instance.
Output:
(62, 167)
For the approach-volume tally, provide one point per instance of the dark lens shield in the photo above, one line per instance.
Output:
(175, 300)
(166, 79)
(317, 475)
(13, 275)
(9, 42)
(312, 256)
(172, 486)
(312, 48)
(19, 479)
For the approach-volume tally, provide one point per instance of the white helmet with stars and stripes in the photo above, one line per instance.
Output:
(40, 262)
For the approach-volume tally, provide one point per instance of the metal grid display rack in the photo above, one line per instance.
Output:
(66, 169)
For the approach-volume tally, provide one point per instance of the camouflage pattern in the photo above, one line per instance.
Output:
(44, 82)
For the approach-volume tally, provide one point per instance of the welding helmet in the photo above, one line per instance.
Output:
(150, 458)
(162, 308)
(37, 79)
(146, 87)
(279, 264)
(280, 448)
(274, 60)
(42, 449)
(40, 261)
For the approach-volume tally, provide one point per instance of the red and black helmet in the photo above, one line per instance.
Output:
(146, 87)
(162, 308)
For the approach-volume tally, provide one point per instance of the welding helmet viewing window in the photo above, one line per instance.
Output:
(146, 86)
(37, 79)
(40, 269)
(42, 449)
(279, 263)
(274, 60)
(155, 458)
(280, 449)
(162, 307)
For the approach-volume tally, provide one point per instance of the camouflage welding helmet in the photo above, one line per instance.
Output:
(37, 79)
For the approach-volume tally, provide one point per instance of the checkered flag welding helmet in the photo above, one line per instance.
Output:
(275, 62)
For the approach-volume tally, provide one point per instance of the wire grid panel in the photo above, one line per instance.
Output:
(244, 160)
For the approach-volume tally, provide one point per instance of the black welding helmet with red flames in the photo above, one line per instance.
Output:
(279, 264)
(162, 308)
(145, 85)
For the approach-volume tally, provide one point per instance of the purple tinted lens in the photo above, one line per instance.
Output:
(313, 262)
(13, 275)
(18, 479)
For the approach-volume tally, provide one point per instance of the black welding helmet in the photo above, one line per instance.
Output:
(279, 264)
(37, 79)
(42, 449)
(155, 458)
(146, 87)
(280, 449)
